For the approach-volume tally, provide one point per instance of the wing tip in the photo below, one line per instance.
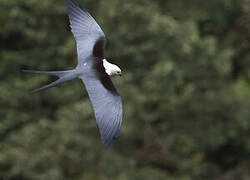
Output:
(69, 2)
(109, 141)
(73, 4)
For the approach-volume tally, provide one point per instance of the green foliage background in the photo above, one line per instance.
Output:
(185, 88)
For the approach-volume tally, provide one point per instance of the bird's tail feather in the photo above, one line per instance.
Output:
(64, 76)
(53, 73)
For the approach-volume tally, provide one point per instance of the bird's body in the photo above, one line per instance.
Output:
(94, 70)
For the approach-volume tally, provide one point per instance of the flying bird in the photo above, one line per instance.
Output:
(94, 71)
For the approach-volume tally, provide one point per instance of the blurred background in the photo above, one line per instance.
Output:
(185, 89)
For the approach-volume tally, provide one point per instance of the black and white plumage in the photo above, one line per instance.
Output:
(94, 71)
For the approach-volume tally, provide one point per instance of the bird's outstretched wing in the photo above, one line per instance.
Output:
(85, 30)
(107, 106)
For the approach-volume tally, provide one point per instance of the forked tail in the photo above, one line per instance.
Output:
(64, 76)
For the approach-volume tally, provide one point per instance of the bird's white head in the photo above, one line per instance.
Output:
(111, 69)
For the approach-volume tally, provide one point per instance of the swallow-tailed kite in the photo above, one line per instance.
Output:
(94, 71)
